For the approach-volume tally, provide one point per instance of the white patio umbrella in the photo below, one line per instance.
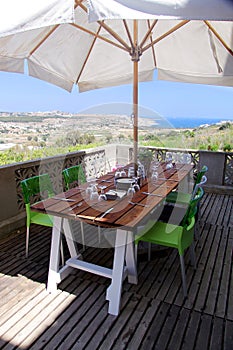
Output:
(138, 37)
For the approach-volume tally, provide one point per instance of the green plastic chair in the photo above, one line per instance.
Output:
(178, 197)
(179, 237)
(34, 189)
(74, 176)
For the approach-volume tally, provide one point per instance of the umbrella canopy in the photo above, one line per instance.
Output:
(20, 15)
(119, 51)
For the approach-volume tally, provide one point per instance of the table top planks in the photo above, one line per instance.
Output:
(127, 212)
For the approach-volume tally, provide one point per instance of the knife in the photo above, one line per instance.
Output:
(153, 194)
(105, 213)
(64, 199)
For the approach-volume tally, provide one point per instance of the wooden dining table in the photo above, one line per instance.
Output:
(124, 214)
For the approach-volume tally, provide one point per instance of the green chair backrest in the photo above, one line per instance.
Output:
(200, 174)
(37, 187)
(74, 174)
(192, 208)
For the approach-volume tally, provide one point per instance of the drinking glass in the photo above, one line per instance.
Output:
(94, 194)
(102, 196)
(131, 190)
(131, 171)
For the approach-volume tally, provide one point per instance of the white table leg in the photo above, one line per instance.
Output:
(130, 259)
(54, 255)
(114, 290)
(70, 239)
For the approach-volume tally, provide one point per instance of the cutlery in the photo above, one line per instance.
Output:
(153, 194)
(65, 199)
(106, 212)
(142, 205)
(75, 206)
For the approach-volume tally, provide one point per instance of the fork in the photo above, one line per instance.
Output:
(75, 206)
(142, 205)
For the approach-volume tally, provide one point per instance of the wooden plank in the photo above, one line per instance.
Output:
(221, 218)
(194, 284)
(121, 324)
(217, 333)
(79, 294)
(133, 324)
(168, 327)
(155, 327)
(229, 311)
(141, 330)
(202, 296)
(228, 336)
(203, 336)
(215, 282)
(225, 291)
(191, 332)
(48, 317)
(215, 209)
(176, 341)
(228, 218)
(78, 319)
(101, 332)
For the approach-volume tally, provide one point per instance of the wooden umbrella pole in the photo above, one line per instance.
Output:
(135, 112)
(135, 59)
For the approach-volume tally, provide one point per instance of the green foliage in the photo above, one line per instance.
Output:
(227, 147)
(15, 155)
(189, 133)
(75, 138)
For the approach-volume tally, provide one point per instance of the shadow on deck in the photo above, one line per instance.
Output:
(153, 313)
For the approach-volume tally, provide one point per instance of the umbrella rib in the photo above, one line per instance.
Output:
(128, 33)
(172, 30)
(88, 55)
(150, 37)
(219, 37)
(98, 36)
(43, 40)
(77, 3)
(149, 32)
(114, 35)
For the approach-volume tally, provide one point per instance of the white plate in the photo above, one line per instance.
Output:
(125, 180)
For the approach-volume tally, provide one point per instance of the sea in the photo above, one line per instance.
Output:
(189, 123)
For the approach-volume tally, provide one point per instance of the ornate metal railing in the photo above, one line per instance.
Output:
(228, 178)
(54, 166)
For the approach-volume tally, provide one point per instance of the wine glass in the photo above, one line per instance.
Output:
(131, 190)
(135, 184)
(131, 171)
(102, 196)
(94, 194)
(122, 173)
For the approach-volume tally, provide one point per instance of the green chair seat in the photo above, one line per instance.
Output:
(169, 235)
(179, 197)
(33, 189)
(41, 219)
(179, 236)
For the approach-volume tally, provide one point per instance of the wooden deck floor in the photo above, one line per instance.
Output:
(153, 313)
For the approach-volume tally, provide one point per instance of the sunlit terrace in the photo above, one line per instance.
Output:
(153, 313)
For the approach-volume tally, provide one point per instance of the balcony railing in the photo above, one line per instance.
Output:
(12, 214)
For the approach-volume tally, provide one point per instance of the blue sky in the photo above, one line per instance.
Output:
(22, 93)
